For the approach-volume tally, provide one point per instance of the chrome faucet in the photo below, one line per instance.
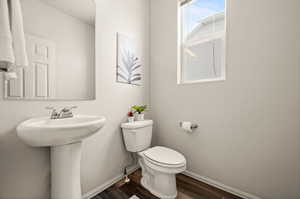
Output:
(64, 113)
(54, 113)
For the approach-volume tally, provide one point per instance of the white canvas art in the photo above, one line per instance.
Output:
(128, 63)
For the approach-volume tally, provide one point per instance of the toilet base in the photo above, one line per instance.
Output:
(160, 182)
(171, 195)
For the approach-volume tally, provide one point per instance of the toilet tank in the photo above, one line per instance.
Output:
(137, 135)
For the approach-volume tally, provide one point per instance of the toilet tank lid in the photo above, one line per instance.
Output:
(137, 124)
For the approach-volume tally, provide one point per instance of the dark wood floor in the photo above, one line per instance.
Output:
(188, 188)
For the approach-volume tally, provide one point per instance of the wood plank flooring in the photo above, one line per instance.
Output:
(188, 188)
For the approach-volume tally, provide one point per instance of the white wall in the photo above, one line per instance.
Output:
(24, 171)
(249, 125)
(75, 47)
(249, 129)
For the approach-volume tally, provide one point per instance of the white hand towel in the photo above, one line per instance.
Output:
(12, 37)
(6, 49)
(18, 35)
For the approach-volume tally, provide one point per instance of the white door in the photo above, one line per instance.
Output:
(37, 80)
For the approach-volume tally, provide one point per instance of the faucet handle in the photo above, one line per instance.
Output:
(68, 109)
(54, 113)
(72, 107)
(49, 108)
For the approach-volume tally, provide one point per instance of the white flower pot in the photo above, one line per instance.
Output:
(140, 117)
(130, 119)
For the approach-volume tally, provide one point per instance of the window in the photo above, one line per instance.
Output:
(202, 41)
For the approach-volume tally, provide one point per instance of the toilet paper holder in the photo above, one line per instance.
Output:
(193, 126)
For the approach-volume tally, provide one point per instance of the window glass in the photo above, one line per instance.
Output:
(202, 40)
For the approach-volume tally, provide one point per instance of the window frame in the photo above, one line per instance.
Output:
(180, 80)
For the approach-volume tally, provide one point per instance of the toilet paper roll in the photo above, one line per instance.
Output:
(187, 126)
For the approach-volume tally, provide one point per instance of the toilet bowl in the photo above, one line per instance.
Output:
(159, 164)
(159, 168)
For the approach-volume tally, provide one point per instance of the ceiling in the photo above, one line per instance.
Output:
(82, 9)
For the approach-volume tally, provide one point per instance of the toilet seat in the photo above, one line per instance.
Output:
(164, 157)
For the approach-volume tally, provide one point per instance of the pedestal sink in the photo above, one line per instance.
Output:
(64, 136)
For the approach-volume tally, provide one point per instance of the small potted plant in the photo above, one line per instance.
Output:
(139, 110)
(130, 116)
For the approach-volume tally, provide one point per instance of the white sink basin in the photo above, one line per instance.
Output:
(44, 131)
(64, 137)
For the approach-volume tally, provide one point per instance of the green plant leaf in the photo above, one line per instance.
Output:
(139, 109)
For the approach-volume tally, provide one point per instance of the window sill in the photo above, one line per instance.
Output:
(202, 81)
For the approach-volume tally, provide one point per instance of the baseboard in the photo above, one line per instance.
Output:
(206, 180)
(107, 184)
(221, 186)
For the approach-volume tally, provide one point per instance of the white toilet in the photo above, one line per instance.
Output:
(159, 164)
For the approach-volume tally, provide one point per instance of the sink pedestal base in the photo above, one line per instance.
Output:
(65, 171)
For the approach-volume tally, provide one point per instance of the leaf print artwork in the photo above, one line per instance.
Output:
(128, 63)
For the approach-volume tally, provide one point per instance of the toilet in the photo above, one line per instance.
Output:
(159, 164)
